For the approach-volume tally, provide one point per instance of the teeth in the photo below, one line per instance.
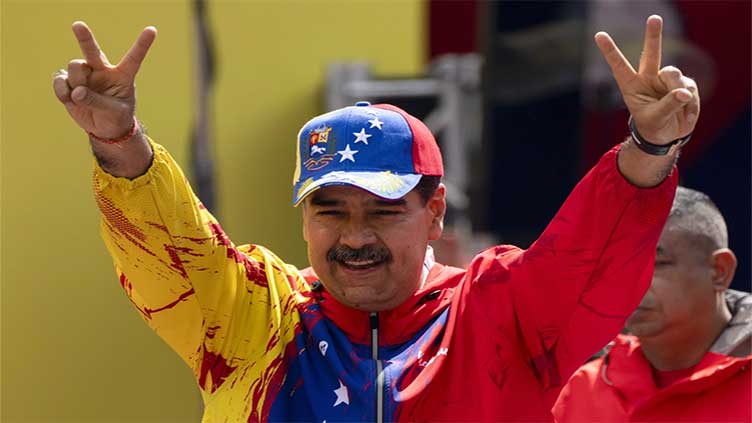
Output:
(363, 263)
(360, 263)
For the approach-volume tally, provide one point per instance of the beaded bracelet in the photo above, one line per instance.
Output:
(125, 137)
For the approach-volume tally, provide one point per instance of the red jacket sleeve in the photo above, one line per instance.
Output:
(575, 286)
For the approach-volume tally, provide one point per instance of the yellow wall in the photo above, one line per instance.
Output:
(72, 348)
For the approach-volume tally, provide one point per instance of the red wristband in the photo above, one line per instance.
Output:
(125, 137)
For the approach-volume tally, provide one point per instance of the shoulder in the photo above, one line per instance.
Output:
(587, 374)
(734, 340)
(495, 259)
(262, 265)
(740, 305)
(580, 387)
(309, 275)
(440, 273)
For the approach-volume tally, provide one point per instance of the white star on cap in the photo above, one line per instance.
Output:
(347, 154)
(362, 136)
(342, 396)
(375, 122)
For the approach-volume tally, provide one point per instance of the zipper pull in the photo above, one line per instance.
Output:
(374, 320)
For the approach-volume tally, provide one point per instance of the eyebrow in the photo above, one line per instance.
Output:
(321, 201)
(386, 202)
(660, 250)
(317, 200)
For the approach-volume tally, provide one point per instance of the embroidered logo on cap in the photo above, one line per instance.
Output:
(320, 151)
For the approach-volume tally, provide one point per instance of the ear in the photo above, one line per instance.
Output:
(436, 206)
(723, 263)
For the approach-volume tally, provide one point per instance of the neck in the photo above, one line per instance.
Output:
(672, 351)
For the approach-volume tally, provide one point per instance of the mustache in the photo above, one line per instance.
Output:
(344, 253)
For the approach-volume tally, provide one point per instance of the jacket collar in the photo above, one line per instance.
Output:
(399, 324)
(736, 337)
(626, 369)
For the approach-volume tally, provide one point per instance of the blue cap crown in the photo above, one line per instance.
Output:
(366, 146)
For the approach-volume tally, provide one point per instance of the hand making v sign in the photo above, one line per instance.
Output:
(101, 99)
(663, 102)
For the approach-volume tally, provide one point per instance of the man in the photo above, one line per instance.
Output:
(689, 358)
(375, 329)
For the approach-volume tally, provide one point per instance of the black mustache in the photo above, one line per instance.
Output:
(344, 253)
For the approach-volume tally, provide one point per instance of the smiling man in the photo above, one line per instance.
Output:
(366, 268)
(689, 355)
(375, 329)
(369, 214)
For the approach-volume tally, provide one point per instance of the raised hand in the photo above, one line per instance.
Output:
(99, 96)
(664, 103)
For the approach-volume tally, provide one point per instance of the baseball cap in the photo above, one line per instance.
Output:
(379, 148)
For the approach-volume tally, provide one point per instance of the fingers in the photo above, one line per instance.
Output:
(61, 87)
(78, 73)
(673, 79)
(131, 62)
(650, 61)
(82, 96)
(672, 102)
(89, 47)
(64, 82)
(692, 110)
(683, 87)
(620, 67)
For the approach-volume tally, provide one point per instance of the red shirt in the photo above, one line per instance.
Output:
(664, 378)
(619, 387)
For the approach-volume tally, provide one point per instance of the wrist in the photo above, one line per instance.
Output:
(641, 169)
(652, 148)
(134, 128)
(129, 159)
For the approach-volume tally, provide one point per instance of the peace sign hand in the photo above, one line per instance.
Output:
(664, 103)
(100, 97)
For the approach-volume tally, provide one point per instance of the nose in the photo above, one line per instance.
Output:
(356, 233)
(648, 300)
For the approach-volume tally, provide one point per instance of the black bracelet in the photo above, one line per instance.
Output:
(655, 149)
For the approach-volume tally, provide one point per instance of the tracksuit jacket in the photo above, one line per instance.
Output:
(619, 386)
(495, 342)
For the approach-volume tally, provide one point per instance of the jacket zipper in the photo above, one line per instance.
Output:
(379, 367)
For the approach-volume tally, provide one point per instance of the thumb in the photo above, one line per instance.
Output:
(105, 116)
(82, 96)
(673, 102)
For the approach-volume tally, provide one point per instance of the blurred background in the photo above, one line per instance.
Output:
(518, 95)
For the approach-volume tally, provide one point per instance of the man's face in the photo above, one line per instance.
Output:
(681, 291)
(367, 251)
